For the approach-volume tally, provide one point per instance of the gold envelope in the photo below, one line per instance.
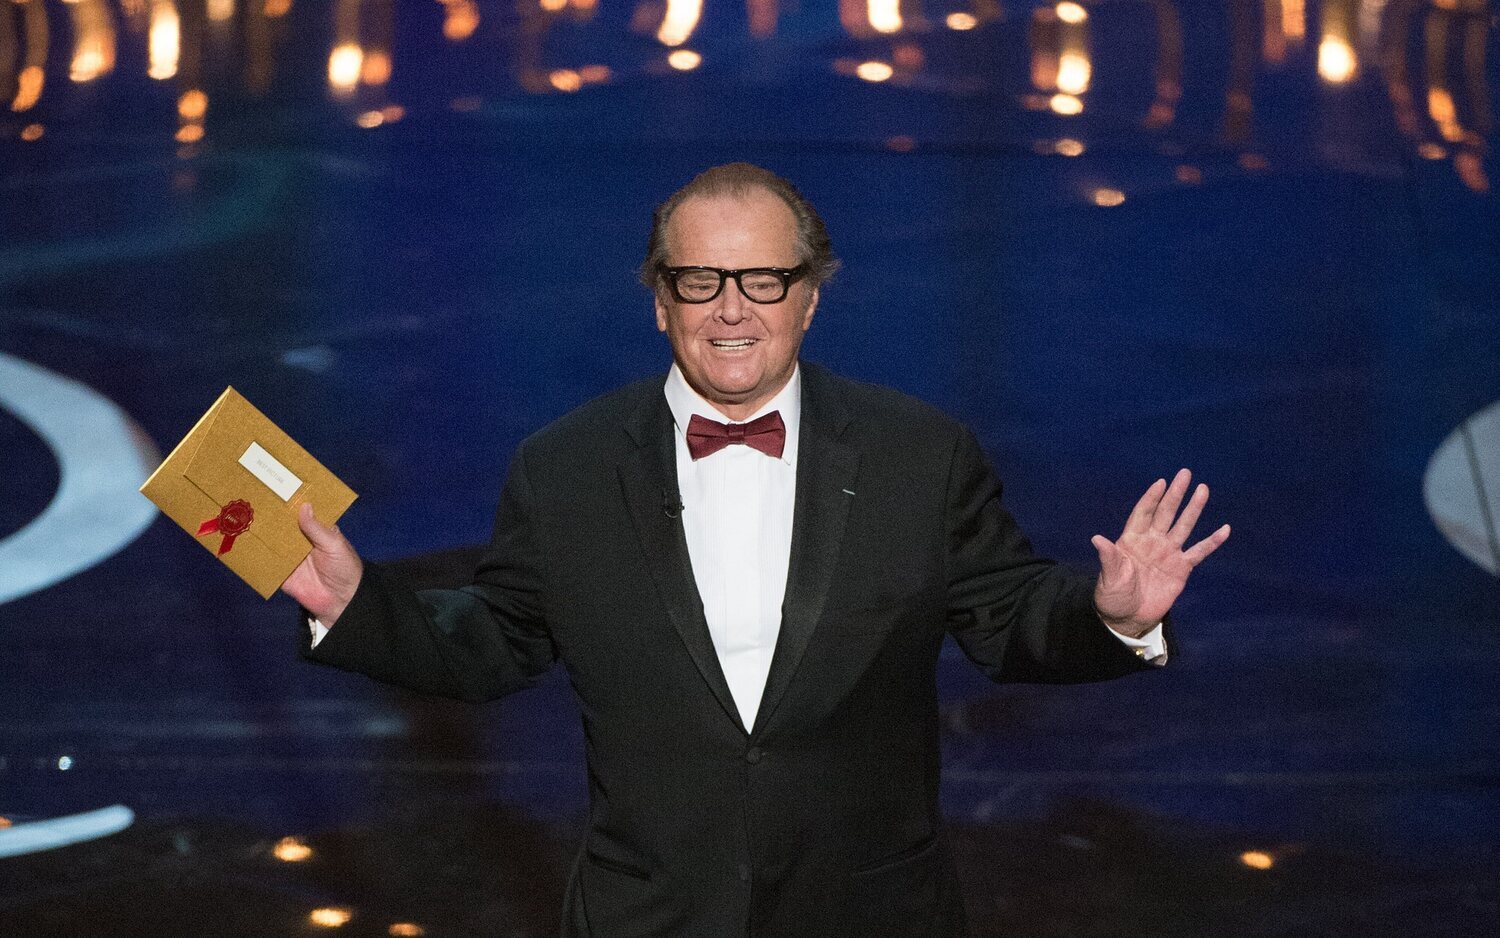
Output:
(234, 483)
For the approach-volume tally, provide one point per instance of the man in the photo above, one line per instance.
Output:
(748, 570)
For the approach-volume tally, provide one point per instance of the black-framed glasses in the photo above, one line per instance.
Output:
(757, 284)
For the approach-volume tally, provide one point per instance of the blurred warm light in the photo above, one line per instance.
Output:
(1071, 13)
(961, 21)
(329, 917)
(594, 74)
(908, 55)
(1440, 107)
(1108, 198)
(1336, 60)
(1257, 859)
(219, 10)
(370, 119)
(679, 22)
(885, 15)
(291, 850)
(1073, 73)
(1188, 175)
(344, 65)
(1065, 104)
(1067, 146)
(28, 88)
(192, 105)
(1294, 19)
(1470, 169)
(901, 143)
(164, 40)
(392, 113)
(460, 19)
(5, 821)
(684, 60)
(28, 133)
(406, 930)
(376, 68)
(565, 79)
(274, 8)
(1431, 151)
(553, 6)
(1253, 162)
(874, 71)
(189, 133)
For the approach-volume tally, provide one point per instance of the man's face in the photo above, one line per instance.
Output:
(735, 353)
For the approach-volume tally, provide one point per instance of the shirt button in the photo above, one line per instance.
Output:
(753, 754)
(744, 873)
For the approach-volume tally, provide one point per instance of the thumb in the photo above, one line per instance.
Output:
(322, 536)
(1109, 556)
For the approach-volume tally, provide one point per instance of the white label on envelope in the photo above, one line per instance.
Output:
(266, 468)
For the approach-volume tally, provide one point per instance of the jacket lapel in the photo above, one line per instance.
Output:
(826, 473)
(648, 478)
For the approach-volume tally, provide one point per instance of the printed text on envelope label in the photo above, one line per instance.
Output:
(268, 469)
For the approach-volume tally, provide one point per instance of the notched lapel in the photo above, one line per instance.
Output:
(826, 480)
(648, 479)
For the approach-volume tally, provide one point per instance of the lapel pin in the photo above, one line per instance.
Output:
(847, 492)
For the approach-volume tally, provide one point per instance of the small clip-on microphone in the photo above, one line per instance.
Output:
(671, 503)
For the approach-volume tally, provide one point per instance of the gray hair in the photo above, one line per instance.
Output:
(739, 180)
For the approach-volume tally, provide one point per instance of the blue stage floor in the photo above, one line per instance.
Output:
(1277, 265)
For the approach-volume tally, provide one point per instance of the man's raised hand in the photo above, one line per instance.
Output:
(326, 579)
(1142, 574)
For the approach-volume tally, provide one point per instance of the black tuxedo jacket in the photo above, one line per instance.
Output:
(822, 819)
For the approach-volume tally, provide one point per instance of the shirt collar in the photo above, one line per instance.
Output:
(684, 402)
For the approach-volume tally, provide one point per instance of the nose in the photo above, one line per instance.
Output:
(732, 305)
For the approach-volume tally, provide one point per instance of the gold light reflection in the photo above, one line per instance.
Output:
(1444, 114)
(344, 65)
(1257, 859)
(370, 119)
(392, 113)
(220, 11)
(1470, 169)
(460, 19)
(406, 930)
(553, 6)
(874, 71)
(1337, 62)
(1065, 104)
(684, 60)
(376, 35)
(275, 8)
(329, 917)
(762, 14)
(189, 133)
(28, 88)
(1188, 175)
(1163, 109)
(375, 69)
(679, 21)
(192, 105)
(1073, 73)
(1067, 146)
(291, 850)
(1431, 151)
(1283, 26)
(901, 143)
(885, 15)
(93, 40)
(1107, 198)
(5, 821)
(164, 40)
(1071, 13)
(961, 21)
(565, 79)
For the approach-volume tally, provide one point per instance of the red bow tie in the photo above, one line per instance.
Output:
(706, 437)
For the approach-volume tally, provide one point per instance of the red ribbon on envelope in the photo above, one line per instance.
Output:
(232, 521)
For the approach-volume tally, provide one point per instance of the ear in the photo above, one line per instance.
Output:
(812, 307)
(661, 312)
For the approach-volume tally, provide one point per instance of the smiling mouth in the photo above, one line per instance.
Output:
(731, 343)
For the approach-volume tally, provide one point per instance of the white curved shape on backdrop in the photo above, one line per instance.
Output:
(1462, 488)
(102, 458)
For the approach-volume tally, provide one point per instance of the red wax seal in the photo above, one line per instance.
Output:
(233, 520)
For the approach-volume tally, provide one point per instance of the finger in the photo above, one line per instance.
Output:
(1109, 556)
(1208, 545)
(1166, 510)
(321, 535)
(1140, 515)
(1189, 517)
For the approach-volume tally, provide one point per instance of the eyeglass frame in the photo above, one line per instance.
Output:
(788, 275)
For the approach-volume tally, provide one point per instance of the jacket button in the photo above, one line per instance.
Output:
(753, 754)
(744, 873)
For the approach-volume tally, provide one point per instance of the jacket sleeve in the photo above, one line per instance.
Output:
(477, 643)
(1020, 617)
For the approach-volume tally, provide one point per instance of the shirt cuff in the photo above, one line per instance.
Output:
(319, 630)
(1151, 647)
